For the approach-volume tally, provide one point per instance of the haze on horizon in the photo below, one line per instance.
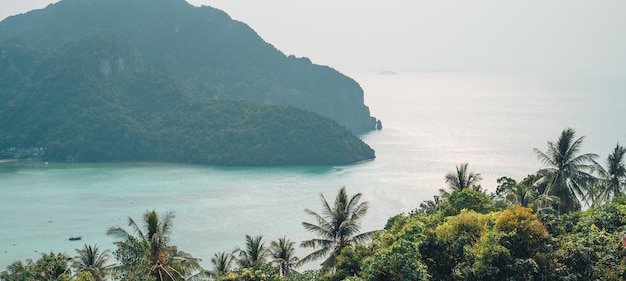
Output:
(561, 37)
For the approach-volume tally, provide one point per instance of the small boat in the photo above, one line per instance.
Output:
(75, 238)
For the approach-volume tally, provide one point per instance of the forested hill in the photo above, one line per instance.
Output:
(203, 48)
(92, 98)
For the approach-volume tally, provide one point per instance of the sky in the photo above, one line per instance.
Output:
(552, 37)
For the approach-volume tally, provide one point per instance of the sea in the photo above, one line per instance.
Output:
(432, 122)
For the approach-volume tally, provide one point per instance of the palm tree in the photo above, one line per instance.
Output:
(283, 253)
(51, 266)
(48, 267)
(568, 175)
(462, 179)
(221, 264)
(523, 193)
(614, 178)
(166, 262)
(19, 271)
(254, 252)
(430, 207)
(338, 228)
(89, 259)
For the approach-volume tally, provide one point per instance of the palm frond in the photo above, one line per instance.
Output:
(338, 226)
(323, 227)
(363, 237)
(316, 255)
(317, 243)
(118, 232)
(545, 159)
(461, 179)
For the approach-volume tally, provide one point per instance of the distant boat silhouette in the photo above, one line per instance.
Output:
(75, 238)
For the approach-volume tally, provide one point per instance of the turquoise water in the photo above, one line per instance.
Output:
(432, 122)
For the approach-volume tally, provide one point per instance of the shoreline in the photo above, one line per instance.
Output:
(2, 161)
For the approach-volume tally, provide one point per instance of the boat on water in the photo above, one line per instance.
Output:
(75, 238)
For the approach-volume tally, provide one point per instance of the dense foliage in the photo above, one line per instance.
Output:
(512, 244)
(66, 105)
(201, 47)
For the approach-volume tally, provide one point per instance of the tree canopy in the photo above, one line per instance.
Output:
(149, 116)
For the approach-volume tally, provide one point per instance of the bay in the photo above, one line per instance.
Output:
(432, 122)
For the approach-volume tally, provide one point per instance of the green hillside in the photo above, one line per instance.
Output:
(92, 98)
(203, 48)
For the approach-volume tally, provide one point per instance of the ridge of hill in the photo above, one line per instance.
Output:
(92, 98)
(204, 49)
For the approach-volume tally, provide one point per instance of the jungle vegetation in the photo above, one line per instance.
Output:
(78, 115)
(201, 48)
(164, 81)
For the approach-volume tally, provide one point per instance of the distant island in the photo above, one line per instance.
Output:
(140, 80)
(387, 72)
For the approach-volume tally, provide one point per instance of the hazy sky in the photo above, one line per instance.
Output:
(556, 36)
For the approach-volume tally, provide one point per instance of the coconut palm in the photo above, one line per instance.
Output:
(568, 175)
(523, 194)
(430, 207)
(221, 264)
(19, 271)
(338, 227)
(254, 252)
(166, 262)
(283, 254)
(462, 179)
(614, 177)
(90, 259)
(51, 266)
(48, 267)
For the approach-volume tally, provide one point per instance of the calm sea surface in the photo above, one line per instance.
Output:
(432, 122)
